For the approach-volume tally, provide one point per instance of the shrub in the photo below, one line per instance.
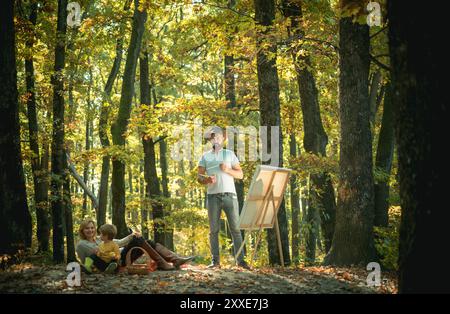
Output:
(387, 240)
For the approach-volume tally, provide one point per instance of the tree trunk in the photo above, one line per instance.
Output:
(165, 187)
(373, 99)
(70, 242)
(311, 226)
(87, 144)
(103, 126)
(58, 165)
(295, 205)
(164, 174)
(153, 189)
(15, 219)
(353, 237)
(421, 103)
(144, 210)
(103, 134)
(315, 139)
(40, 175)
(119, 126)
(269, 105)
(150, 173)
(230, 96)
(385, 152)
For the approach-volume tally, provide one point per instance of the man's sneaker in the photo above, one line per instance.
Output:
(214, 265)
(111, 268)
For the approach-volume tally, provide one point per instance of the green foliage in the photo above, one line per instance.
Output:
(387, 240)
(186, 45)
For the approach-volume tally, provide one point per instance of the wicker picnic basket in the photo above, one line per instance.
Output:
(139, 269)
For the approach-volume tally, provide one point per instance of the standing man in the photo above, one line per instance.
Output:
(217, 169)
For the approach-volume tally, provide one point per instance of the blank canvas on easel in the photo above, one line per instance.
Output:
(263, 178)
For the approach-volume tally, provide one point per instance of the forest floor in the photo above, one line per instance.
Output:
(197, 279)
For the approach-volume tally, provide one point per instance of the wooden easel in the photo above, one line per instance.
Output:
(268, 198)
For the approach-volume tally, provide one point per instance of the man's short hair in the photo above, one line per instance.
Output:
(109, 230)
(213, 130)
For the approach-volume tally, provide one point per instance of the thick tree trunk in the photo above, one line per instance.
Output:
(353, 236)
(58, 165)
(421, 102)
(150, 173)
(383, 161)
(40, 175)
(315, 139)
(269, 105)
(15, 219)
(119, 126)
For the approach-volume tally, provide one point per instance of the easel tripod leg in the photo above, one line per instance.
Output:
(242, 246)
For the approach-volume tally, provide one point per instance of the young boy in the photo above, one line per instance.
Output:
(105, 259)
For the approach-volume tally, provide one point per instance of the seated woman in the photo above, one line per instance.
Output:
(164, 258)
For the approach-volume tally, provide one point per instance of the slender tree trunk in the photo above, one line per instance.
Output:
(130, 180)
(230, 96)
(68, 215)
(103, 134)
(385, 152)
(40, 176)
(103, 126)
(58, 165)
(164, 174)
(373, 99)
(269, 105)
(144, 210)
(15, 219)
(421, 103)
(315, 139)
(150, 173)
(153, 190)
(311, 225)
(295, 205)
(119, 126)
(353, 236)
(87, 144)
(165, 187)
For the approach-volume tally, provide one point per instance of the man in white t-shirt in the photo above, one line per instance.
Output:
(217, 169)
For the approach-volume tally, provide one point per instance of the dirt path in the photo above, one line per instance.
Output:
(196, 279)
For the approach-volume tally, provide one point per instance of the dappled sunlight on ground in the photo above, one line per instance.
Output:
(197, 279)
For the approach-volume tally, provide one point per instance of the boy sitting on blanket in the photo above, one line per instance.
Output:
(108, 253)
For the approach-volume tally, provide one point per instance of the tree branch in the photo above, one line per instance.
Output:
(381, 65)
(230, 9)
(160, 139)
